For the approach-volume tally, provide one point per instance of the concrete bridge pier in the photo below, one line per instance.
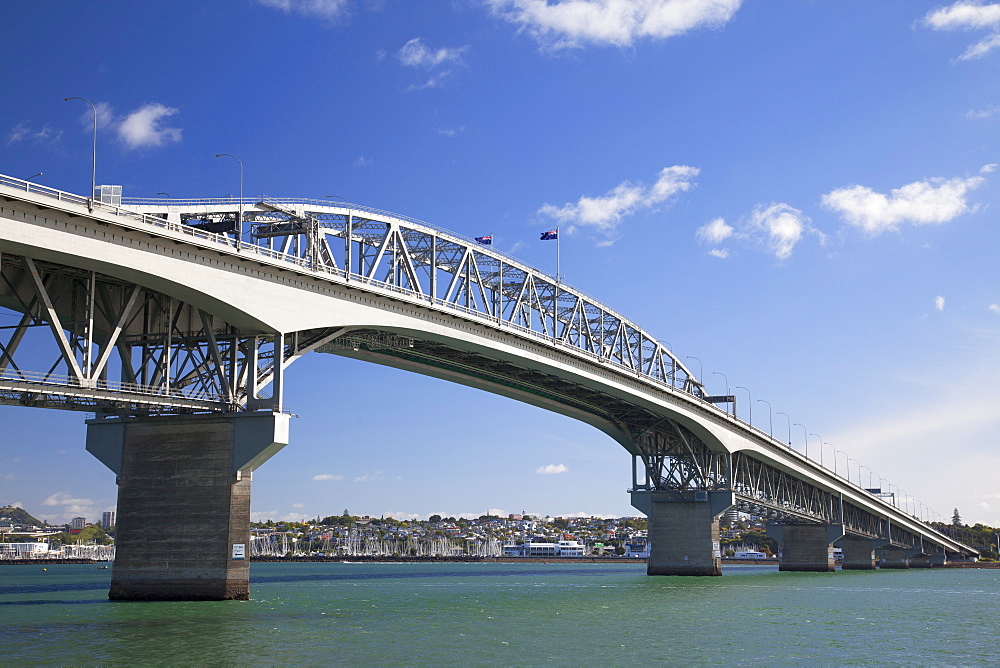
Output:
(683, 530)
(859, 553)
(183, 524)
(806, 547)
(896, 557)
(929, 559)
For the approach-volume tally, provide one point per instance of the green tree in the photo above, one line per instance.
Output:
(434, 518)
(956, 519)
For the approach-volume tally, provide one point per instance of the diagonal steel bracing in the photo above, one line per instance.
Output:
(111, 346)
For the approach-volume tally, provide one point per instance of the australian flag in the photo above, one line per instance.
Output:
(486, 241)
(551, 234)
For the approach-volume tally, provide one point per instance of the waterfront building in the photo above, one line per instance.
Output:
(638, 547)
(107, 519)
(564, 548)
(78, 523)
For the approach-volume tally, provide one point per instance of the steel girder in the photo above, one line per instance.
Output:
(676, 460)
(77, 339)
(408, 256)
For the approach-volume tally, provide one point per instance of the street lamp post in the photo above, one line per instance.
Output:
(165, 194)
(805, 437)
(726, 379)
(749, 405)
(33, 176)
(832, 447)
(239, 222)
(849, 460)
(93, 167)
(345, 200)
(770, 418)
(701, 369)
(841, 452)
(789, 421)
(820, 447)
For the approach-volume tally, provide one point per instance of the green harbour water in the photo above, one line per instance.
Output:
(511, 614)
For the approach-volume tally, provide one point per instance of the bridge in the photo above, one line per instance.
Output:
(174, 321)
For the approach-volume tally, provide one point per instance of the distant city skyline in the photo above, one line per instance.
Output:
(799, 197)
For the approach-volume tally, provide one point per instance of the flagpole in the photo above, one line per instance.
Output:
(558, 254)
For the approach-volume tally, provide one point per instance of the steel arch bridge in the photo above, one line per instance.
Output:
(150, 307)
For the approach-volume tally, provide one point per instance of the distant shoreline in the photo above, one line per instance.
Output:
(475, 560)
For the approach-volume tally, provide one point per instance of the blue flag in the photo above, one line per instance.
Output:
(551, 234)
(486, 241)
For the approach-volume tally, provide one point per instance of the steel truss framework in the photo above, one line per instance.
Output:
(405, 255)
(675, 459)
(77, 339)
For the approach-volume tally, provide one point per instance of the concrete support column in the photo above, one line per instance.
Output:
(895, 557)
(859, 554)
(806, 547)
(683, 531)
(928, 560)
(183, 525)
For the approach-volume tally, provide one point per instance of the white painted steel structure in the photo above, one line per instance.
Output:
(159, 294)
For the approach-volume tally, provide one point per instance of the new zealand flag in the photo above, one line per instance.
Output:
(551, 234)
(486, 241)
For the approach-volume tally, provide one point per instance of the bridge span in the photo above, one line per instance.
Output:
(173, 321)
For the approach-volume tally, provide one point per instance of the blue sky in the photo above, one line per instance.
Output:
(799, 194)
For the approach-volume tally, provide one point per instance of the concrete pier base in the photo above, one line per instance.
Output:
(896, 557)
(859, 554)
(183, 525)
(806, 547)
(683, 531)
(928, 560)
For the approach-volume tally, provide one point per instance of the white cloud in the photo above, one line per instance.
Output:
(64, 499)
(778, 226)
(440, 62)
(67, 506)
(451, 132)
(105, 117)
(981, 48)
(969, 15)
(324, 9)
(994, 307)
(932, 201)
(327, 476)
(142, 128)
(964, 15)
(552, 469)
(139, 128)
(714, 231)
(298, 505)
(720, 253)
(369, 477)
(416, 54)
(939, 303)
(988, 169)
(574, 23)
(364, 161)
(24, 132)
(603, 214)
(982, 113)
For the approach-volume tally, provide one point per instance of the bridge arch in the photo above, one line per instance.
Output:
(226, 318)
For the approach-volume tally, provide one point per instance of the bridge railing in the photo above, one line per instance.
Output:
(56, 380)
